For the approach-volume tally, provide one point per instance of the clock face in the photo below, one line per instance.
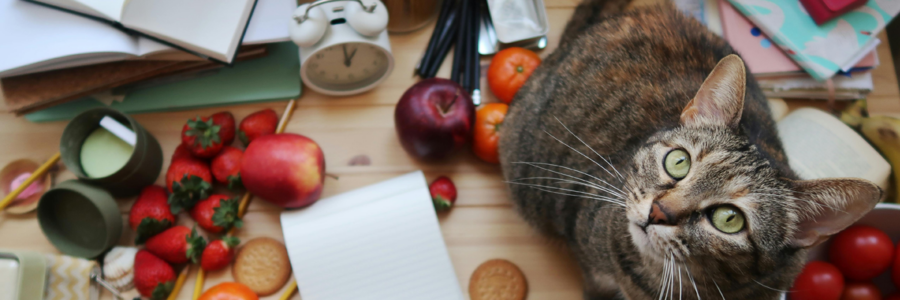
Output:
(346, 66)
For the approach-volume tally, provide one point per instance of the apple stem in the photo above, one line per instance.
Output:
(332, 176)
(445, 109)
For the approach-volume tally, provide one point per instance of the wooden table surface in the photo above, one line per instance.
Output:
(483, 224)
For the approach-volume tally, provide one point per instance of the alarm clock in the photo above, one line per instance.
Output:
(344, 47)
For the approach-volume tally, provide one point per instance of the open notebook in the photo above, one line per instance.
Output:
(378, 242)
(208, 28)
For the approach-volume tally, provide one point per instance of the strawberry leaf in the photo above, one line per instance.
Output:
(226, 215)
(231, 241)
(243, 137)
(187, 192)
(196, 244)
(235, 183)
(441, 204)
(205, 133)
(162, 290)
(150, 227)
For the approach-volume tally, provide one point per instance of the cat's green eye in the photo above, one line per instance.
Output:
(727, 219)
(677, 163)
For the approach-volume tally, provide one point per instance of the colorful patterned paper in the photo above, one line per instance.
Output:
(820, 50)
(69, 278)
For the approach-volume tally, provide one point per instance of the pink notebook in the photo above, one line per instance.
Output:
(763, 57)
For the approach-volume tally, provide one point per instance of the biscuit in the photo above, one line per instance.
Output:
(497, 279)
(262, 265)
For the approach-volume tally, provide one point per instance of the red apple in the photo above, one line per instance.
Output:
(434, 118)
(285, 169)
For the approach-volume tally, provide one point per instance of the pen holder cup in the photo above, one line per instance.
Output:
(142, 167)
(79, 219)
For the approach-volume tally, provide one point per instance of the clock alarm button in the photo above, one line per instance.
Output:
(311, 29)
(364, 22)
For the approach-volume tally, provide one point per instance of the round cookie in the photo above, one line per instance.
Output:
(262, 265)
(497, 279)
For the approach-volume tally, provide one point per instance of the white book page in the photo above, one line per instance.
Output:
(74, 5)
(110, 9)
(382, 241)
(270, 21)
(210, 27)
(148, 46)
(819, 145)
(35, 36)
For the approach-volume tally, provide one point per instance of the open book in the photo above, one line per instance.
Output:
(209, 28)
(382, 241)
(818, 145)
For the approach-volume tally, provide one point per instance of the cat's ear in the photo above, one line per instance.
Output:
(720, 100)
(827, 206)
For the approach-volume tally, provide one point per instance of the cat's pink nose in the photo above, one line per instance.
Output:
(658, 216)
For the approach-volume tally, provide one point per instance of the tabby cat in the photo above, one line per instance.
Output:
(645, 145)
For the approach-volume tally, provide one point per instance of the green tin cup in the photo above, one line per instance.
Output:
(142, 167)
(79, 219)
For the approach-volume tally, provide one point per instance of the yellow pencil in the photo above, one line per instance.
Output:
(39, 173)
(290, 290)
(198, 284)
(179, 283)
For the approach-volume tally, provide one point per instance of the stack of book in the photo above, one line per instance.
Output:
(791, 56)
(59, 51)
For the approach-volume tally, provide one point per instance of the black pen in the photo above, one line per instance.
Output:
(459, 54)
(440, 27)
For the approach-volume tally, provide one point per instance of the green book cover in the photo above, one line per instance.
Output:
(271, 78)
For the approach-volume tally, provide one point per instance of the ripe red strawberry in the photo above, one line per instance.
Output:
(225, 120)
(258, 124)
(217, 213)
(201, 136)
(153, 277)
(226, 167)
(443, 193)
(219, 253)
(177, 245)
(189, 181)
(181, 152)
(150, 213)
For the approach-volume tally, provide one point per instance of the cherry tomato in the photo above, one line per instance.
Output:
(819, 280)
(861, 252)
(508, 71)
(488, 120)
(861, 291)
(896, 272)
(895, 296)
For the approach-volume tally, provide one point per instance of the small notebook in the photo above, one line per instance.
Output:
(382, 241)
(820, 50)
(764, 58)
(211, 29)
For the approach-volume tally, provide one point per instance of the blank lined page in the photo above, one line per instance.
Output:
(382, 241)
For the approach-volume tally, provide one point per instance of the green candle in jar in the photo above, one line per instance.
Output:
(103, 153)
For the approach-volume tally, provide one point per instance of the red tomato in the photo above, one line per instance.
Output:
(508, 71)
(488, 121)
(896, 272)
(861, 291)
(819, 280)
(895, 296)
(861, 252)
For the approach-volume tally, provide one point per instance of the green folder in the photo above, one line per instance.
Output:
(271, 78)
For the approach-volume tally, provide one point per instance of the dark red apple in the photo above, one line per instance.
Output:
(285, 169)
(434, 118)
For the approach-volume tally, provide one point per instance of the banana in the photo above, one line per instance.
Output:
(884, 133)
(855, 113)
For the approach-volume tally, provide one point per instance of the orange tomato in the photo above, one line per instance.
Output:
(508, 71)
(229, 291)
(488, 119)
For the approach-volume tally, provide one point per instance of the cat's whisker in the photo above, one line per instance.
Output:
(680, 283)
(717, 288)
(579, 152)
(621, 178)
(694, 283)
(664, 280)
(587, 196)
(538, 165)
(590, 185)
(569, 190)
(771, 288)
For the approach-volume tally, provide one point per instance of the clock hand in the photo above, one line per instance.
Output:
(351, 56)
(346, 59)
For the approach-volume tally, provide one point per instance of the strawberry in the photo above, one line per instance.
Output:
(225, 120)
(153, 277)
(226, 167)
(219, 253)
(201, 136)
(150, 213)
(181, 152)
(217, 213)
(189, 181)
(257, 124)
(177, 245)
(443, 193)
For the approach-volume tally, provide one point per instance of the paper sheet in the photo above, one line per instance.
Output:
(382, 241)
